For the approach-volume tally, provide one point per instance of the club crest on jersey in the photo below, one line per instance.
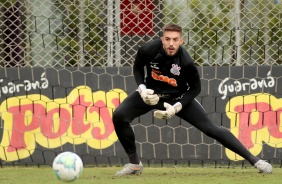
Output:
(175, 70)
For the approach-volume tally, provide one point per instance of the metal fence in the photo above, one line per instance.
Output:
(61, 33)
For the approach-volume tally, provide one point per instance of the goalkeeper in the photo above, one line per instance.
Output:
(170, 87)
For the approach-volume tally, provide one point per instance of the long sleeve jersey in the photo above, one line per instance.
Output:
(173, 75)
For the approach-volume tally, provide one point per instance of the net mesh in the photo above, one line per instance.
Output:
(107, 33)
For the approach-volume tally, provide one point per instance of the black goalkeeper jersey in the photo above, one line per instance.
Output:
(173, 75)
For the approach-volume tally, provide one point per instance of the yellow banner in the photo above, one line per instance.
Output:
(81, 117)
(255, 120)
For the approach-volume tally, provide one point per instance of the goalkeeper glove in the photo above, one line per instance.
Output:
(169, 112)
(148, 95)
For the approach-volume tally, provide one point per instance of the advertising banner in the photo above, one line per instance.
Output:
(47, 111)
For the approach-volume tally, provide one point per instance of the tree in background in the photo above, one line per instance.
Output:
(229, 32)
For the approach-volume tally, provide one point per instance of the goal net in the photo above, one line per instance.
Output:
(65, 65)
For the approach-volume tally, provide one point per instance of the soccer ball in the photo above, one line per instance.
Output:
(67, 166)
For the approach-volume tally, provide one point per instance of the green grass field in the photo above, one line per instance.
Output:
(179, 175)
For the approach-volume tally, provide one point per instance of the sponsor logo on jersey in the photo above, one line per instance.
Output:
(175, 69)
(157, 76)
(154, 65)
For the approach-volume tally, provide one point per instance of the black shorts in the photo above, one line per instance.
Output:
(133, 106)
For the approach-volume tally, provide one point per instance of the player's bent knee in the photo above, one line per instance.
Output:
(118, 117)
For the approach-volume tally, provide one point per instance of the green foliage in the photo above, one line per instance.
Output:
(7, 3)
(82, 30)
(215, 23)
(75, 31)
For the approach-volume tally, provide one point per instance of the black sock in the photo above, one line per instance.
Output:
(133, 158)
(253, 159)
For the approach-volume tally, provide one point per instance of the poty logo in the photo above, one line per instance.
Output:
(255, 120)
(81, 117)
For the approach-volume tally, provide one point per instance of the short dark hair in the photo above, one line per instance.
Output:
(172, 27)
